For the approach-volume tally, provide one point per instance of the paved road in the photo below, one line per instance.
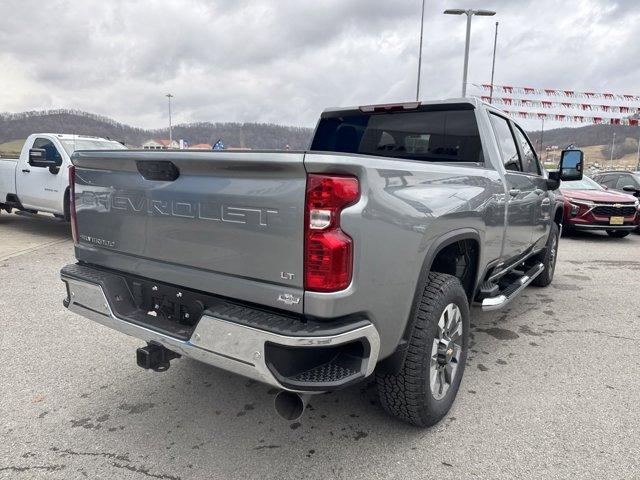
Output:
(551, 390)
(20, 234)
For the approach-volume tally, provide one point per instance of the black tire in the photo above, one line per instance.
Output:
(548, 257)
(618, 233)
(408, 395)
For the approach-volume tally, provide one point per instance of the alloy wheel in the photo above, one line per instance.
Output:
(446, 351)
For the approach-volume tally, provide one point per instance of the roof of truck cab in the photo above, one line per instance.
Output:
(475, 102)
(71, 136)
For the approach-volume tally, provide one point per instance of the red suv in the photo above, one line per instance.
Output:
(588, 206)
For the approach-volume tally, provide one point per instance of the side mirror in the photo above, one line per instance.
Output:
(604, 186)
(630, 188)
(571, 163)
(38, 158)
(553, 182)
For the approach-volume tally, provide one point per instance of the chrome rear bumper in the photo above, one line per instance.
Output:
(230, 346)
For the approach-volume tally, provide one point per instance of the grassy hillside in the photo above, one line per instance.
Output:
(594, 154)
(11, 148)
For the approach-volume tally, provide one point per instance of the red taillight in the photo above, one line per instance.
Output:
(328, 264)
(72, 203)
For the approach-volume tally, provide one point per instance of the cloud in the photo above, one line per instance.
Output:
(286, 61)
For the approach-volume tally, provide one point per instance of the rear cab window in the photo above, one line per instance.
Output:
(429, 133)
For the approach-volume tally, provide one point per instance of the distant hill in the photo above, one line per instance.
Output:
(585, 136)
(15, 127)
(18, 126)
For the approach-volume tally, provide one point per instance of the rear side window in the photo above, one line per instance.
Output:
(506, 143)
(433, 136)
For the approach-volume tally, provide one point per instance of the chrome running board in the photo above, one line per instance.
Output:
(512, 291)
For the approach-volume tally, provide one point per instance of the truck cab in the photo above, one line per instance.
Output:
(37, 181)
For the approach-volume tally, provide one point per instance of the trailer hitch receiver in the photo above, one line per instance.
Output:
(155, 357)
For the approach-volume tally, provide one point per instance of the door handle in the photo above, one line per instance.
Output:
(26, 170)
(514, 192)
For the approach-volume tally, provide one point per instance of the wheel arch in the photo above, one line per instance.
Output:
(393, 363)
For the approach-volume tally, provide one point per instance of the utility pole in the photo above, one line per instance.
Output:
(613, 147)
(541, 140)
(493, 65)
(638, 157)
(169, 96)
(469, 14)
(420, 54)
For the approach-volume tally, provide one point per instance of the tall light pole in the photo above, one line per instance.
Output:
(469, 13)
(613, 146)
(420, 54)
(493, 64)
(638, 157)
(169, 96)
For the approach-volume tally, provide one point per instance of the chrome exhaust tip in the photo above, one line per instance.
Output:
(290, 405)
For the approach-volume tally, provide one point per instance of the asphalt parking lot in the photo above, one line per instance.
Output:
(551, 389)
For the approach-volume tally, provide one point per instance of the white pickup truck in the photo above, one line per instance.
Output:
(38, 181)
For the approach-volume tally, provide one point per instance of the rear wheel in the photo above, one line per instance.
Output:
(426, 386)
(617, 233)
(548, 258)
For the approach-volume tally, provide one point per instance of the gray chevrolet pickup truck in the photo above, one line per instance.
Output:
(312, 270)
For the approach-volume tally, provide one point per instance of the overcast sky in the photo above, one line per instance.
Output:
(285, 61)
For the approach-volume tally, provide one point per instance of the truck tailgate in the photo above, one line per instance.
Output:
(231, 223)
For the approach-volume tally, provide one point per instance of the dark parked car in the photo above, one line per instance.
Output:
(589, 206)
(621, 181)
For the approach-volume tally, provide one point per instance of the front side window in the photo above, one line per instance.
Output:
(50, 149)
(623, 181)
(506, 143)
(529, 158)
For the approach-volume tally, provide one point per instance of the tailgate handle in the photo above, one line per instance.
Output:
(158, 170)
